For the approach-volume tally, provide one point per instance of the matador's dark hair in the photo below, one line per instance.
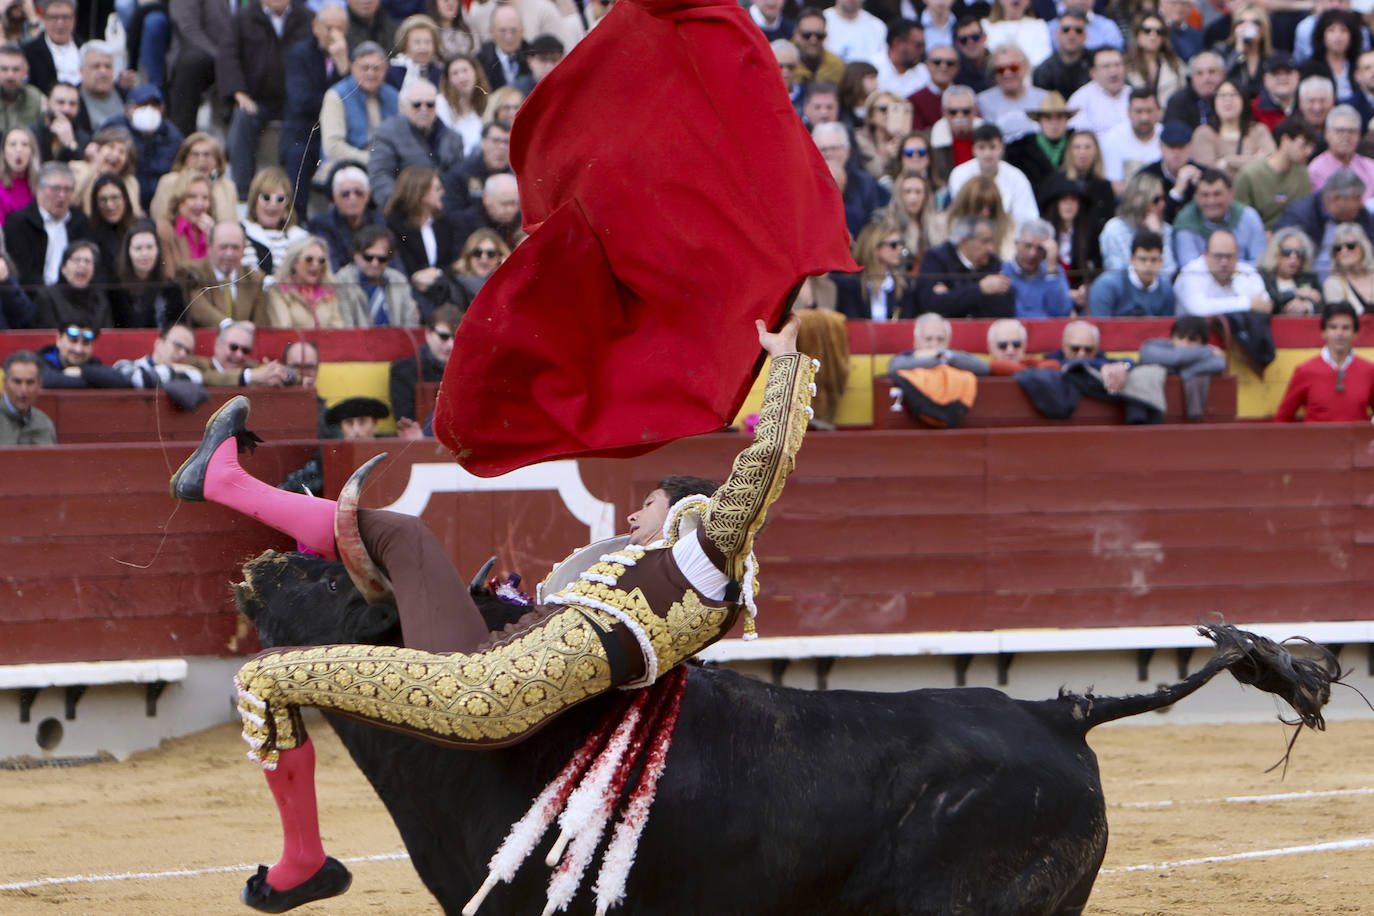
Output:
(680, 486)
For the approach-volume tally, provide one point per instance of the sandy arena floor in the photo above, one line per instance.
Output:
(176, 830)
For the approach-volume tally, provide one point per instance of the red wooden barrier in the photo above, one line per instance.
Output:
(1002, 402)
(877, 532)
(132, 415)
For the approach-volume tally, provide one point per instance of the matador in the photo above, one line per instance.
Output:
(618, 613)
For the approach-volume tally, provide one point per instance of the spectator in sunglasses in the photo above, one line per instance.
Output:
(972, 44)
(941, 63)
(232, 365)
(1007, 349)
(272, 224)
(483, 252)
(371, 292)
(303, 296)
(352, 211)
(1068, 69)
(1288, 276)
(413, 137)
(427, 365)
(70, 361)
(1352, 269)
(1082, 344)
(817, 63)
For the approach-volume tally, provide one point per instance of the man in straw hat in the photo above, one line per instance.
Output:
(1040, 154)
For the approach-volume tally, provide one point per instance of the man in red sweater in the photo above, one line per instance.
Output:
(1335, 386)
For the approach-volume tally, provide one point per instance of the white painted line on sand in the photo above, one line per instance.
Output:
(1248, 799)
(1336, 846)
(178, 873)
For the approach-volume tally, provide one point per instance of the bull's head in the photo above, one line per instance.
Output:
(295, 599)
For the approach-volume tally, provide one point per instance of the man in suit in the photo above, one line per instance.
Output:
(53, 55)
(503, 57)
(231, 365)
(250, 73)
(963, 277)
(312, 65)
(217, 287)
(198, 28)
(413, 136)
(36, 235)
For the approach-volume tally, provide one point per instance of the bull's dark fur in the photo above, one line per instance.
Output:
(776, 801)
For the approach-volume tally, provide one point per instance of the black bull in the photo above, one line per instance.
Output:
(775, 800)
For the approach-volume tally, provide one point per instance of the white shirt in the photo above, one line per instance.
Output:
(1032, 36)
(861, 39)
(431, 244)
(903, 84)
(509, 66)
(761, 21)
(278, 22)
(1098, 111)
(67, 61)
(1197, 292)
(993, 103)
(57, 243)
(1123, 153)
(1018, 197)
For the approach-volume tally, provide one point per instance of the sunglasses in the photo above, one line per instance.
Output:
(1346, 246)
(1290, 252)
(312, 258)
(812, 36)
(430, 103)
(245, 349)
(1010, 344)
(941, 62)
(352, 192)
(1087, 350)
(74, 333)
(890, 243)
(1008, 68)
(971, 39)
(920, 151)
(1151, 30)
(1075, 29)
(881, 109)
(444, 336)
(485, 253)
(272, 198)
(375, 258)
(959, 112)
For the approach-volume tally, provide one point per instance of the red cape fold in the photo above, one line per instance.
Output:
(672, 197)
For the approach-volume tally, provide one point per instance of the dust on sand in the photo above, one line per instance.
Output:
(196, 805)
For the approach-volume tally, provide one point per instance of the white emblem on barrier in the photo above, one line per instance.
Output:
(427, 479)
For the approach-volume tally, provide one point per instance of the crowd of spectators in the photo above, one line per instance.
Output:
(316, 164)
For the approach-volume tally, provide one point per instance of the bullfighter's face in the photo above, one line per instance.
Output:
(646, 523)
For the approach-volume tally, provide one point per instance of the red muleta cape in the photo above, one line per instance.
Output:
(672, 197)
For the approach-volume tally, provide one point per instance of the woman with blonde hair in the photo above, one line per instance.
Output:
(270, 224)
(1012, 22)
(1150, 59)
(912, 210)
(417, 52)
(1142, 207)
(200, 153)
(463, 92)
(878, 148)
(1237, 139)
(502, 105)
(185, 234)
(111, 152)
(880, 291)
(1286, 267)
(483, 252)
(303, 296)
(979, 197)
(18, 170)
(1250, 43)
(1083, 163)
(1352, 268)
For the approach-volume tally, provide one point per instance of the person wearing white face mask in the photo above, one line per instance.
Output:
(156, 139)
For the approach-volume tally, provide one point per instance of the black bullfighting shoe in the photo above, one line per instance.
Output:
(330, 881)
(188, 482)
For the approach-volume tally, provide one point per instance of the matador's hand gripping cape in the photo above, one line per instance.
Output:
(672, 197)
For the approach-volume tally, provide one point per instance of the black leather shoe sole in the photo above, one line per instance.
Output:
(188, 482)
(330, 881)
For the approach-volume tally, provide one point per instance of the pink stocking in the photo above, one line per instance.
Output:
(308, 519)
(293, 786)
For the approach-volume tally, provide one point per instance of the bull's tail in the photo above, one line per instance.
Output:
(1303, 683)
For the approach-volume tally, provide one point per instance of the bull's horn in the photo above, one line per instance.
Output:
(481, 577)
(348, 540)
